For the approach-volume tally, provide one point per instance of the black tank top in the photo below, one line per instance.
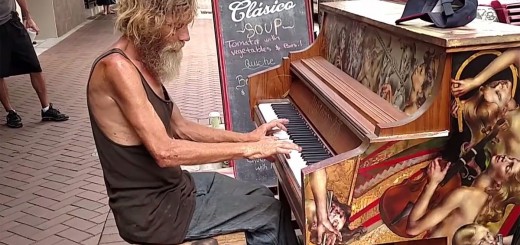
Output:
(150, 204)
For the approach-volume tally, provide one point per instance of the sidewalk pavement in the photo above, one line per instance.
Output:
(51, 183)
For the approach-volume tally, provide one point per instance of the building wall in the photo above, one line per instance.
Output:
(204, 5)
(68, 14)
(57, 17)
(42, 12)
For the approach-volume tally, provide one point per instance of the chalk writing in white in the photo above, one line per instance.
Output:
(252, 50)
(238, 43)
(256, 64)
(242, 82)
(251, 9)
(259, 29)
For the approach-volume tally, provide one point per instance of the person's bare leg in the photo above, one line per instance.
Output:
(4, 95)
(109, 11)
(38, 84)
(48, 112)
(13, 119)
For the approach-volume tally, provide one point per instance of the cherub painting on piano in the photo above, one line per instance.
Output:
(399, 70)
(339, 214)
(328, 218)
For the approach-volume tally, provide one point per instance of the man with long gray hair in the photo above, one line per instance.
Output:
(142, 140)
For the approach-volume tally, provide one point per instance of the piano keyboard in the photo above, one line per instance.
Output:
(298, 132)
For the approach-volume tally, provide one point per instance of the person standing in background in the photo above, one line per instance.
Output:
(106, 6)
(18, 57)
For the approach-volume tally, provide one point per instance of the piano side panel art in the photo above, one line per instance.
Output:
(400, 70)
(358, 218)
(488, 106)
(437, 187)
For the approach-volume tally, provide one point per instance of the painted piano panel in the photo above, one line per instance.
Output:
(398, 190)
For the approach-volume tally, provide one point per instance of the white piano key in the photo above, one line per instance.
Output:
(295, 160)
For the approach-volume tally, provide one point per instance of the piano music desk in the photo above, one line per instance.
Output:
(376, 98)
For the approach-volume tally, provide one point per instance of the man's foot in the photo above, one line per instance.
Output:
(53, 114)
(13, 120)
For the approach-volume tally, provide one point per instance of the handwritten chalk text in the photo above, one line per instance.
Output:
(251, 9)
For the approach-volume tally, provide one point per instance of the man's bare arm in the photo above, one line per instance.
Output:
(420, 221)
(189, 130)
(127, 91)
(25, 9)
(28, 22)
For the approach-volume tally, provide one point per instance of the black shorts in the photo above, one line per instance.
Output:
(17, 55)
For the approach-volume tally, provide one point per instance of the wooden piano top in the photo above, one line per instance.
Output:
(383, 14)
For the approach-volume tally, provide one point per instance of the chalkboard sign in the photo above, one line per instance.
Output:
(253, 36)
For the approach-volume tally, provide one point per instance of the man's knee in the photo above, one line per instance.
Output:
(270, 205)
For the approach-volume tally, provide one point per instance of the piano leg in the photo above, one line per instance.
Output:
(286, 206)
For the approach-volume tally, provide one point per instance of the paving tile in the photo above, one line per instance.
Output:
(90, 205)
(17, 240)
(65, 202)
(43, 202)
(92, 241)
(79, 224)
(24, 230)
(30, 219)
(55, 221)
(49, 232)
(5, 234)
(90, 195)
(24, 199)
(94, 187)
(51, 240)
(14, 183)
(99, 219)
(8, 225)
(5, 199)
(74, 235)
(110, 238)
(97, 229)
(67, 242)
(84, 213)
(54, 185)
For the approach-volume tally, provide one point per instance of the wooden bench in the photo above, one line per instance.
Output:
(237, 238)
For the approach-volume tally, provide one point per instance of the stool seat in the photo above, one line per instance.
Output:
(237, 238)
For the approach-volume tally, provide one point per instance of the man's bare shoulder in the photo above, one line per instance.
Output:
(115, 66)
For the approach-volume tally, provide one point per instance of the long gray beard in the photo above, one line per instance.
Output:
(169, 65)
(163, 63)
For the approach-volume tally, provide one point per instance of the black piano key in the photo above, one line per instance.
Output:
(313, 149)
(315, 153)
(308, 143)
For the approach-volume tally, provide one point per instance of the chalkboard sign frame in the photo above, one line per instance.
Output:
(223, 69)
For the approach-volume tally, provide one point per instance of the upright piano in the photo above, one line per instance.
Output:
(372, 105)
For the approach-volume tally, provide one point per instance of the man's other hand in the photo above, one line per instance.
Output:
(268, 129)
(268, 146)
(30, 24)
